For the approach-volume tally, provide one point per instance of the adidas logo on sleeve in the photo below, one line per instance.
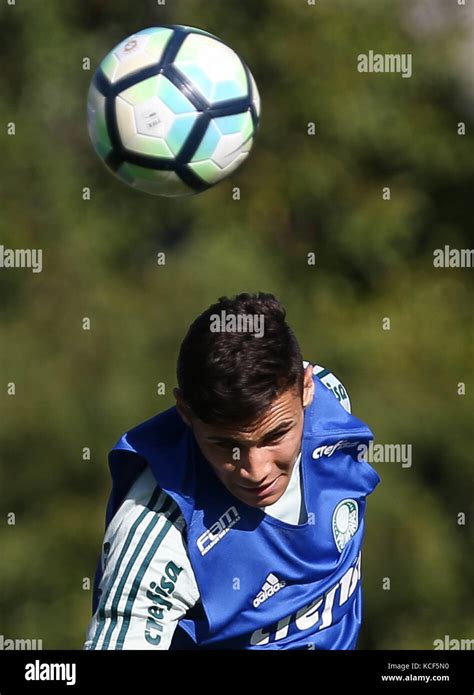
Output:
(271, 586)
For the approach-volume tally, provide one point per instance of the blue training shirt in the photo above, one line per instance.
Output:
(263, 583)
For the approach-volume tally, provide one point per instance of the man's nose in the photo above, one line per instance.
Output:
(255, 465)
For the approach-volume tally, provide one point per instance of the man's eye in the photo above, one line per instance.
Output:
(274, 441)
(270, 442)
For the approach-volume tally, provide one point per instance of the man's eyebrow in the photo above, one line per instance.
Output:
(279, 429)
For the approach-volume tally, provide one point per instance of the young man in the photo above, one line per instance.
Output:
(236, 518)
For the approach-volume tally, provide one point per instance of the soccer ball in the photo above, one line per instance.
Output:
(172, 110)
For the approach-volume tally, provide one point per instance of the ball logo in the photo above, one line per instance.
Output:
(345, 522)
(130, 46)
(153, 123)
(152, 119)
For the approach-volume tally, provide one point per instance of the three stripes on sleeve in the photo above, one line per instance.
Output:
(143, 538)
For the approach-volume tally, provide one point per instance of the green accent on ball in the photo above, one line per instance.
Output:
(208, 171)
(124, 173)
(142, 91)
(109, 65)
(249, 129)
(102, 132)
(153, 181)
(102, 149)
(158, 41)
(130, 172)
(97, 123)
(195, 30)
(154, 147)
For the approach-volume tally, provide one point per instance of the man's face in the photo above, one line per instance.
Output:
(255, 462)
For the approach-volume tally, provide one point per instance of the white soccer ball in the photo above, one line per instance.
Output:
(172, 110)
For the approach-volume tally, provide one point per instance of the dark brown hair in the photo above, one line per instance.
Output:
(232, 377)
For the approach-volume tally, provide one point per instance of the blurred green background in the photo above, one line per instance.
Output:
(299, 194)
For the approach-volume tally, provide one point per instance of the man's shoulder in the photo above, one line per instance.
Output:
(331, 381)
(144, 502)
(167, 423)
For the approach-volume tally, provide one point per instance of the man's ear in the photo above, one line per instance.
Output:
(181, 407)
(308, 386)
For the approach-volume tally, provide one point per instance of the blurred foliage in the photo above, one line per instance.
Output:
(299, 194)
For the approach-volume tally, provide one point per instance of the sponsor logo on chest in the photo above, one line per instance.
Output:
(213, 535)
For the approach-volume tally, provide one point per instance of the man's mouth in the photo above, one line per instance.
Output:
(261, 491)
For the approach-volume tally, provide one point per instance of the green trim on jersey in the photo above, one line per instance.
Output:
(127, 615)
(101, 616)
